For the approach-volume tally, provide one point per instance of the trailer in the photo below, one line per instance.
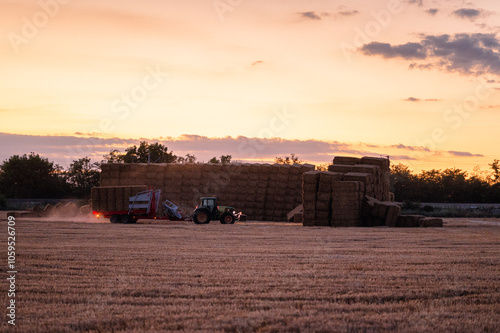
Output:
(142, 205)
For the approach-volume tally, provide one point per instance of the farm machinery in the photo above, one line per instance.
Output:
(208, 210)
(143, 205)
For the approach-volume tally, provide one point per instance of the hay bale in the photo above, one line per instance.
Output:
(308, 222)
(111, 199)
(366, 168)
(94, 201)
(409, 221)
(346, 204)
(431, 223)
(120, 203)
(345, 160)
(392, 215)
(296, 169)
(340, 168)
(383, 163)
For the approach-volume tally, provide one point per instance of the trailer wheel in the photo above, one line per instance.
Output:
(201, 216)
(114, 218)
(227, 218)
(125, 219)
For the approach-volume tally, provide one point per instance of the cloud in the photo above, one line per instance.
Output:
(310, 16)
(468, 13)
(432, 11)
(418, 3)
(346, 11)
(410, 148)
(487, 107)
(386, 50)
(414, 99)
(469, 54)
(464, 154)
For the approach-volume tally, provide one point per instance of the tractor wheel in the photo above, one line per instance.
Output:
(227, 218)
(125, 219)
(114, 218)
(201, 216)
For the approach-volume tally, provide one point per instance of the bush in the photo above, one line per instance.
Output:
(428, 208)
(3, 202)
(410, 205)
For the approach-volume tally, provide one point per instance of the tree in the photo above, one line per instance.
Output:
(288, 160)
(224, 159)
(145, 153)
(402, 181)
(495, 166)
(188, 159)
(82, 175)
(31, 176)
(114, 156)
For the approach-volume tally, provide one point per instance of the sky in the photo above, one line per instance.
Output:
(416, 80)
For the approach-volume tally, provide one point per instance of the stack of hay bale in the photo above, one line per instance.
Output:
(374, 172)
(310, 184)
(113, 198)
(261, 191)
(380, 213)
(354, 192)
(346, 203)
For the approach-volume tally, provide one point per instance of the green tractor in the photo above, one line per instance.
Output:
(208, 210)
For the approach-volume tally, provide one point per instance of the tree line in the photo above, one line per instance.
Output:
(33, 176)
(450, 185)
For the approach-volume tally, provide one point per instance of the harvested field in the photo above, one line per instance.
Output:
(255, 276)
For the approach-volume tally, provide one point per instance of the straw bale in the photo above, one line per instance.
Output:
(324, 196)
(307, 167)
(311, 177)
(323, 206)
(120, 198)
(345, 160)
(264, 174)
(245, 169)
(274, 170)
(383, 163)
(431, 223)
(111, 202)
(366, 168)
(94, 195)
(392, 215)
(409, 221)
(359, 176)
(284, 169)
(295, 169)
(254, 168)
(340, 168)
(308, 222)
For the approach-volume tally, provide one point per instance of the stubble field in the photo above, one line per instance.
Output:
(253, 276)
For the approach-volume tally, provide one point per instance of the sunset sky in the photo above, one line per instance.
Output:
(417, 80)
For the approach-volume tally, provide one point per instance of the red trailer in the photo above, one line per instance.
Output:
(143, 205)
